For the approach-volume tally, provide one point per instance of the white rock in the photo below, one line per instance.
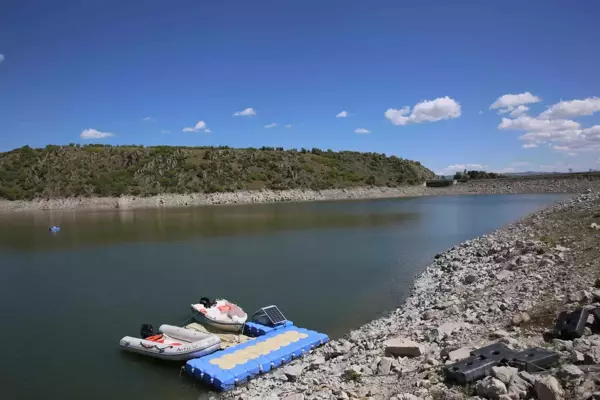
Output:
(519, 387)
(504, 374)
(569, 371)
(548, 388)
(406, 396)
(504, 274)
(449, 328)
(294, 396)
(500, 333)
(401, 347)
(577, 357)
(385, 365)
(460, 354)
(491, 388)
(293, 372)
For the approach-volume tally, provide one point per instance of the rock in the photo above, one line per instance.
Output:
(504, 374)
(518, 387)
(317, 362)
(460, 354)
(448, 329)
(504, 274)
(491, 388)
(592, 356)
(293, 372)
(579, 296)
(406, 396)
(577, 357)
(596, 293)
(548, 388)
(385, 365)
(429, 314)
(470, 278)
(500, 333)
(528, 377)
(401, 347)
(343, 396)
(294, 396)
(597, 283)
(569, 372)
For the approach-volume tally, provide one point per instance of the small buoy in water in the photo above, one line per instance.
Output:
(54, 228)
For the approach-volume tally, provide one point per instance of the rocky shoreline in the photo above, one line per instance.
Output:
(504, 186)
(507, 286)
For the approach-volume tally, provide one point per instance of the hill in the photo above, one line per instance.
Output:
(102, 170)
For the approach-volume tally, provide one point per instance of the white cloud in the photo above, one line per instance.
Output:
(526, 123)
(509, 102)
(271, 125)
(1, 58)
(451, 169)
(247, 112)
(517, 112)
(207, 130)
(573, 108)
(288, 126)
(200, 126)
(572, 154)
(568, 140)
(149, 119)
(529, 146)
(361, 131)
(343, 114)
(425, 111)
(480, 112)
(94, 134)
(165, 131)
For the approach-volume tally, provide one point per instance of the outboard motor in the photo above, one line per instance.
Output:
(206, 302)
(146, 331)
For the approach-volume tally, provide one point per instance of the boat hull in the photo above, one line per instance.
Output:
(192, 344)
(234, 327)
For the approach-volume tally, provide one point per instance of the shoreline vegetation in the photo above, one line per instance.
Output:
(507, 286)
(572, 184)
(95, 176)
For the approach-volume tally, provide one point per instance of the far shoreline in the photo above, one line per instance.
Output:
(169, 200)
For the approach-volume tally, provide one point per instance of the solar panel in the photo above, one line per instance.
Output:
(273, 314)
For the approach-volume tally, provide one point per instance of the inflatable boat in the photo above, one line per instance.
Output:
(220, 314)
(172, 343)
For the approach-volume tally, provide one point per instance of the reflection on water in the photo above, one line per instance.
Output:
(119, 226)
(332, 266)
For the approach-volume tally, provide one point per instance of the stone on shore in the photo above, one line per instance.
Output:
(401, 347)
(504, 374)
(548, 388)
(490, 388)
(293, 372)
(460, 354)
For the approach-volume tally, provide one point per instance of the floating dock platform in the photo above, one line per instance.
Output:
(271, 348)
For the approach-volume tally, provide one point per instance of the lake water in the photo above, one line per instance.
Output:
(66, 299)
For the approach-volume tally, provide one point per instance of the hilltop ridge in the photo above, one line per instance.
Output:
(102, 170)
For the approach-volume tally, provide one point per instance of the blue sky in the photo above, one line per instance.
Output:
(416, 79)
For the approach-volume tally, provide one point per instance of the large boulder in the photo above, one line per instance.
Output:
(548, 388)
(401, 347)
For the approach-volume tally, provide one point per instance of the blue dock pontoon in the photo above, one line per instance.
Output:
(270, 348)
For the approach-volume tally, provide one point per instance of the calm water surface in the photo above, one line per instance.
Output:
(67, 299)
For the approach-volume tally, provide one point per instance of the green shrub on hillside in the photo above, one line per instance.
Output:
(102, 170)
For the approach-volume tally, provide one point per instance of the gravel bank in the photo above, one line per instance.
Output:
(506, 286)
(273, 196)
